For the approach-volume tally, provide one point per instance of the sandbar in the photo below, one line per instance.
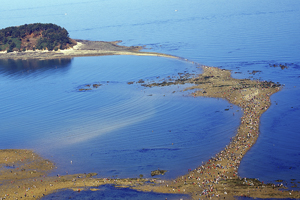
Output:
(218, 177)
(23, 173)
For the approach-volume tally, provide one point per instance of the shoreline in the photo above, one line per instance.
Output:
(218, 177)
(83, 48)
(24, 174)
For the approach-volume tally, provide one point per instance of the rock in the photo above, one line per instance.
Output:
(91, 174)
(96, 85)
(158, 172)
(84, 89)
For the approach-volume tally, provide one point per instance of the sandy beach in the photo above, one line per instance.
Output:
(25, 174)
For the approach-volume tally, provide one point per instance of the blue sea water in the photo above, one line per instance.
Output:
(125, 130)
(111, 193)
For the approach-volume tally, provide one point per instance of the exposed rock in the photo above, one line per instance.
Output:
(84, 89)
(158, 172)
(96, 85)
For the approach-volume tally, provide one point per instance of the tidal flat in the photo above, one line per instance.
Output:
(25, 174)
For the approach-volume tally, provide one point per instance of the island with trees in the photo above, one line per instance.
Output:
(50, 41)
(35, 36)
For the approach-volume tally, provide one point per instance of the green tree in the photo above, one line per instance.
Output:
(12, 46)
(48, 35)
(5, 40)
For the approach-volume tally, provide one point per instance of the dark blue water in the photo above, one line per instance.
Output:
(112, 193)
(121, 130)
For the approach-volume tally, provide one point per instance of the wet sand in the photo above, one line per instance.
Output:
(24, 174)
(83, 48)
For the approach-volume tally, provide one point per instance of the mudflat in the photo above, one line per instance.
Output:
(23, 174)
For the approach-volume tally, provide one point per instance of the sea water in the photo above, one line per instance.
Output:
(116, 129)
(127, 130)
(109, 192)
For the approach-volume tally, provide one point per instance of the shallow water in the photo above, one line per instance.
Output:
(111, 127)
(118, 129)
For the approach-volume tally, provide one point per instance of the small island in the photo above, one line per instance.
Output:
(50, 41)
(35, 36)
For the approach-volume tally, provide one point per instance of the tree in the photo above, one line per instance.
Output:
(46, 36)
(5, 40)
(12, 46)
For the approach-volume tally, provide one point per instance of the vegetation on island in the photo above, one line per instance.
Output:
(35, 36)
